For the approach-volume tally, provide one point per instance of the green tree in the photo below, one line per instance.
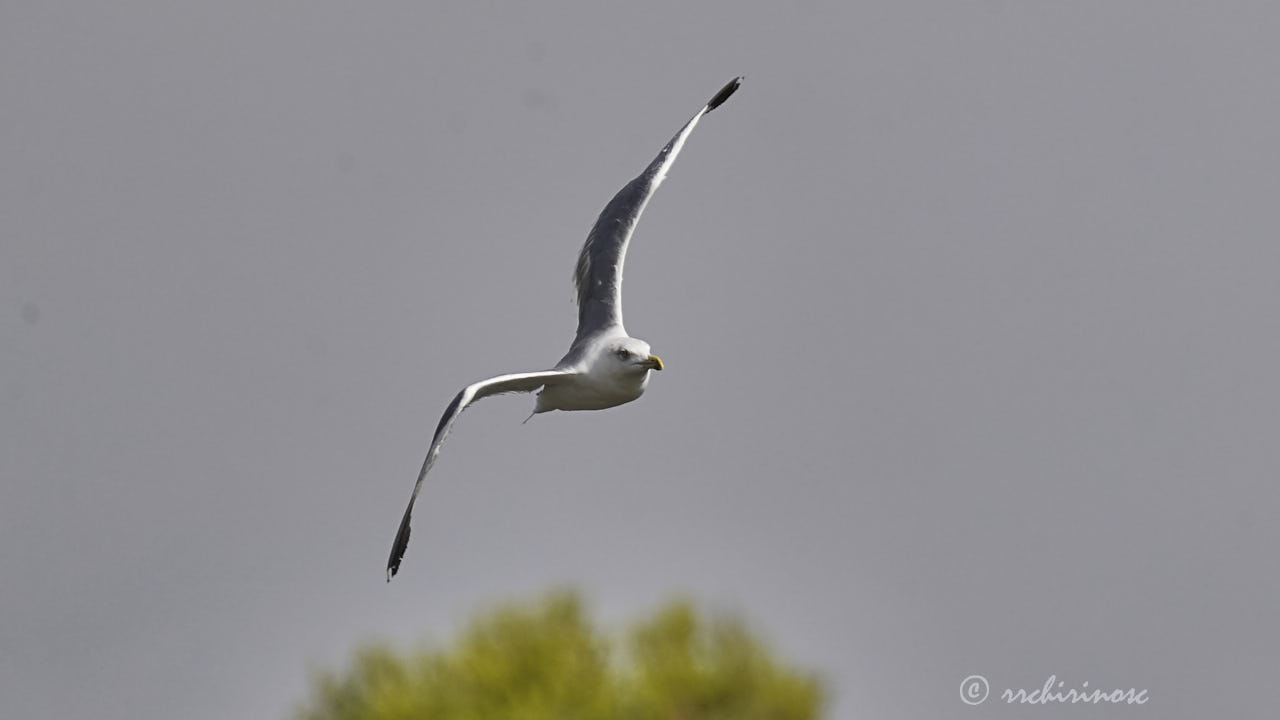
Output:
(550, 661)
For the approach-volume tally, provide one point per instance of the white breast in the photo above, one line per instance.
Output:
(588, 393)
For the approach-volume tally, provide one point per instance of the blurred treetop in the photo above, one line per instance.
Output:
(549, 661)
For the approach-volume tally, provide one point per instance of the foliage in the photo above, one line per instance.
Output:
(549, 661)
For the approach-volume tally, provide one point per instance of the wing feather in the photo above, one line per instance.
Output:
(516, 382)
(598, 274)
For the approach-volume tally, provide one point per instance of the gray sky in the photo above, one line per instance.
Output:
(969, 311)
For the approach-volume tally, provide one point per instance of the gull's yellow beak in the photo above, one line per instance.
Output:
(655, 362)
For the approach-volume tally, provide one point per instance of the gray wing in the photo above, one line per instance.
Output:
(598, 276)
(517, 382)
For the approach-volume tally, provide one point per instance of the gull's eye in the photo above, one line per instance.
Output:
(622, 353)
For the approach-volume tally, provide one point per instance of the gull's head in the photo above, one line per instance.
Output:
(629, 356)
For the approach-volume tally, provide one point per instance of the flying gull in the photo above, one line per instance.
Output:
(604, 366)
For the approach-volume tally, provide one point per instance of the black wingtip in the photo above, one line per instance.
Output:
(397, 554)
(399, 546)
(724, 94)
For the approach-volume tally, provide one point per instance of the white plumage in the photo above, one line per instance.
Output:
(604, 366)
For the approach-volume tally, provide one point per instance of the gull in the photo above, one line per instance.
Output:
(604, 367)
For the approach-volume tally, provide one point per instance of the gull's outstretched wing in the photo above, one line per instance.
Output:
(517, 382)
(598, 276)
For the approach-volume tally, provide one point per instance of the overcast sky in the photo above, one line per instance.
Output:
(969, 311)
